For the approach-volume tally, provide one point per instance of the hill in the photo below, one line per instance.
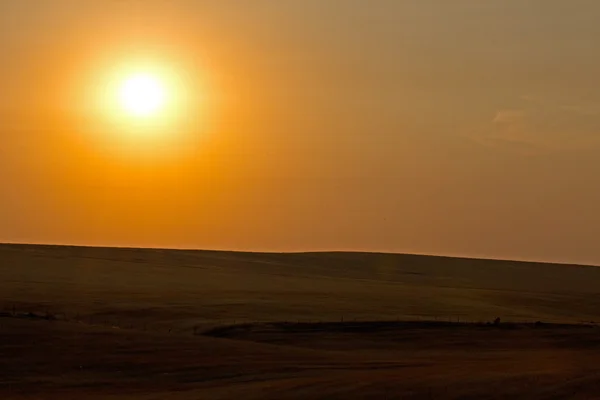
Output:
(105, 323)
(184, 287)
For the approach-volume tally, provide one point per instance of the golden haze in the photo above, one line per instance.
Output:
(430, 129)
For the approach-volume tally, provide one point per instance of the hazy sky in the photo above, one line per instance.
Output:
(430, 126)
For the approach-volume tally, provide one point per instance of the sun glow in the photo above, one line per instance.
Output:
(145, 106)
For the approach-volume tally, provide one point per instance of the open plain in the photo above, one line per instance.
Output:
(104, 323)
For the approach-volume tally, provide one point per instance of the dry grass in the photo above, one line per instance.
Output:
(175, 290)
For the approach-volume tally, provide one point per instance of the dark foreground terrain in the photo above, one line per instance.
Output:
(56, 360)
(82, 323)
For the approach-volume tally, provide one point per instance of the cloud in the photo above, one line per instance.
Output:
(509, 116)
(510, 130)
(539, 126)
(508, 136)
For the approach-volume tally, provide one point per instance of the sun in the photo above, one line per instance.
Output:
(142, 95)
(146, 106)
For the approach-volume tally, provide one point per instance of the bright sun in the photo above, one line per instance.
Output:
(142, 95)
(148, 106)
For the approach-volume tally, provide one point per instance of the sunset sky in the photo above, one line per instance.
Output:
(464, 127)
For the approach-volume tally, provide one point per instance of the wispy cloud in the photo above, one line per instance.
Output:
(539, 125)
(509, 116)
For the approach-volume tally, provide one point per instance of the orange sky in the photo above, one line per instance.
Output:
(461, 128)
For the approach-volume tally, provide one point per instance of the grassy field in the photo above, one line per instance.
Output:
(132, 324)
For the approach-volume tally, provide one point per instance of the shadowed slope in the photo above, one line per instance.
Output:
(185, 288)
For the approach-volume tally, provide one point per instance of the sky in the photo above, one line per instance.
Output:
(466, 127)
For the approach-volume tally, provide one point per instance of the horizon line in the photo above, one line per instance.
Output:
(459, 257)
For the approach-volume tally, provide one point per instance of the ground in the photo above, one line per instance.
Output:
(96, 323)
